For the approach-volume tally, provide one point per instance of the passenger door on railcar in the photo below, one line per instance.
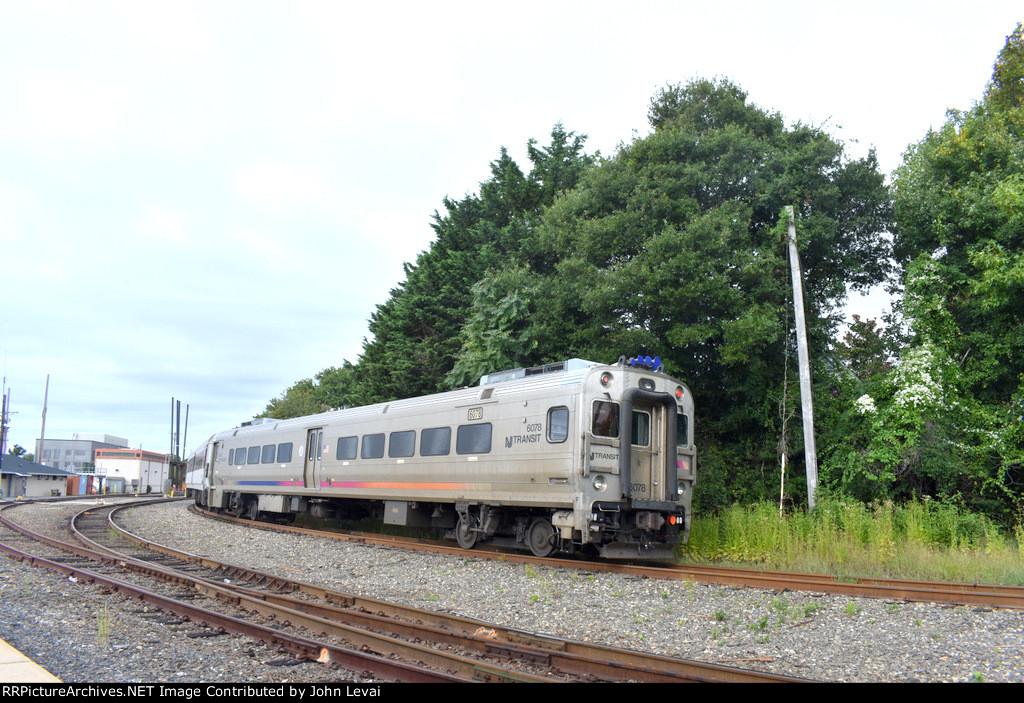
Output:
(210, 467)
(314, 463)
(647, 453)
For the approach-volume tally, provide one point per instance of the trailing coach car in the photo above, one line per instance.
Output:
(551, 458)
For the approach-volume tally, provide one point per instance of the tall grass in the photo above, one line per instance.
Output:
(928, 540)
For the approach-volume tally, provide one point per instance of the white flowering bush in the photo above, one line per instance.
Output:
(917, 427)
(901, 432)
(866, 405)
(916, 379)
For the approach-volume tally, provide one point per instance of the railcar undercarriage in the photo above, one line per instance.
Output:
(643, 534)
(614, 531)
(483, 523)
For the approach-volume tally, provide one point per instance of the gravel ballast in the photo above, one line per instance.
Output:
(82, 635)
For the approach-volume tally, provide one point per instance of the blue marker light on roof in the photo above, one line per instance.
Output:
(655, 364)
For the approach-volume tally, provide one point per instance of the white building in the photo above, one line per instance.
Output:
(139, 470)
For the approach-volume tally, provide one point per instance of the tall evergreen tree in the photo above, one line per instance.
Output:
(416, 332)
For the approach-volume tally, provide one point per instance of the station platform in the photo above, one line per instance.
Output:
(15, 667)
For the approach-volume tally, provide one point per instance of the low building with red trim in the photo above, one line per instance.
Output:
(138, 470)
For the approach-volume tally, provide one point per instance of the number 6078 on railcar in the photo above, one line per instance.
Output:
(567, 455)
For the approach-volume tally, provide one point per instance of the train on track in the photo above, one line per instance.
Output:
(569, 455)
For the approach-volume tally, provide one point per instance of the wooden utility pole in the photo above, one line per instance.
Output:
(3, 421)
(806, 402)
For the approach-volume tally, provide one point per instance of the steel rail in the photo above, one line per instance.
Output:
(997, 596)
(285, 611)
(570, 656)
(301, 647)
(991, 595)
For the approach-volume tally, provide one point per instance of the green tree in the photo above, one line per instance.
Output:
(296, 401)
(946, 421)
(868, 350)
(959, 238)
(673, 246)
(418, 332)
(959, 199)
(334, 387)
(860, 365)
(914, 429)
(19, 451)
(338, 387)
(496, 335)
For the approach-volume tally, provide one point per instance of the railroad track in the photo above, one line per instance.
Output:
(392, 642)
(996, 596)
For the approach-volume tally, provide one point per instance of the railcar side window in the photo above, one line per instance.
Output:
(558, 424)
(682, 431)
(473, 439)
(254, 455)
(436, 441)
(347, 447)
(641, 428)
(402, 443)
(269, 452)
(231, 457)
(606, 419)
(373, 446)
(284, 453)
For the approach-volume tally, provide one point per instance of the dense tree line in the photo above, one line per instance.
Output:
(946, 420)
(674, 245)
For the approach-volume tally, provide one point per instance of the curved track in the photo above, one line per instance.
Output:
(393, 642)
(996, 596)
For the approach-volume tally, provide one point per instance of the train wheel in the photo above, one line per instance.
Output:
(541, 537)
(464, 534)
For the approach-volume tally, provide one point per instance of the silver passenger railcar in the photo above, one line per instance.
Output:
(569, 454)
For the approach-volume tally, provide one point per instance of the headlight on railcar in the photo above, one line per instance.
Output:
(600, 483)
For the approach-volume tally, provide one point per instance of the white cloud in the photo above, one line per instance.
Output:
(16, 206)
(214, 177)
(274, 257)
(278, 187)
(163, 227)
(52, 112)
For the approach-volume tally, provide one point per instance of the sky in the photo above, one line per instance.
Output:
(206, 201)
